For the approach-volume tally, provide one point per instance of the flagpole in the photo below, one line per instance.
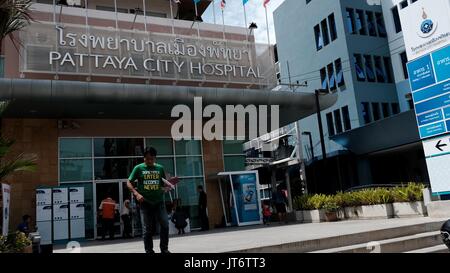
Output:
(171, 16)
(268, 32)
(214, 11)
(223, 25)
(145, 15)
(117, 16)
(196, 17)
(245, 21)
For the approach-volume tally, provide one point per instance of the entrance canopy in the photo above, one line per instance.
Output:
(74, 99)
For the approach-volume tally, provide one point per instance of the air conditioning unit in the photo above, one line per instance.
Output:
(74, 2)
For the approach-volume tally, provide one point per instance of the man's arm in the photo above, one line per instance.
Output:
(136, 194)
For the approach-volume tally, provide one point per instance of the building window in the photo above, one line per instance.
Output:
(380, 25)
(369, 68)
(346, 118)
(386, 110)
(366, 112)
(319, 39)
(326, 38)
(395, 108)
(376, 111)
(361, 76)
(338, 121)
(323, 78)
(403, 4)
(360, 22)
(339, 73)
(111, 9)
(233, 155)
(332, 24)
(330, 124)
(331, 76)
(404, 60)
(396, 18)
(388, 67)
(350, 21)
(371, 23)
(379, 71)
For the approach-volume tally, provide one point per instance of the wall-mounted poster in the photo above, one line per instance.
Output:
(6, 193)
(76, 195)
(43, 197)
(60, 196)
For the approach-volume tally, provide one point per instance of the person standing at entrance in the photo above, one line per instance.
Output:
(126, 219)
(202, 207)
(108, 208)
(149, 192)
(280, 201)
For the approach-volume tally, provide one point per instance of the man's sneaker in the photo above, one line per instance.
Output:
(150, 252)
(165, 252)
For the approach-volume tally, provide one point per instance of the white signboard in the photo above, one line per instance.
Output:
(76, 195)
(60, 212)
(43, 213)
(437, 146)
(60, 196)
(6, 195)
(43, 197)
(77, 211)
(426, 26)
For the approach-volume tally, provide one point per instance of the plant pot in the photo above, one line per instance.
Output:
(331, 216)
(383, 211)
(28, 249)
(299, 216)
(409, 209)
(352, 213)
(341, 214)
(313, 216)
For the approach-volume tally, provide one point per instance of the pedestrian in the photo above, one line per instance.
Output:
(25, 225)
(266, 214)
(280, 201)
(108, 209)
(126, 219)
(179, 219)
(149, 192)
(202, 208)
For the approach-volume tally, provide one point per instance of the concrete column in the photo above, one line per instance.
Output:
(364, 172)
(288, 186)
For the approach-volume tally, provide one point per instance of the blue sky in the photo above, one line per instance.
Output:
(234, 15)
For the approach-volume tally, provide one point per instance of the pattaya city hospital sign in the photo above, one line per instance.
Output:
(74, 49)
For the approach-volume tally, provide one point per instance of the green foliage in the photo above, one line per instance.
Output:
(14, 16)
(14, 243)
(377, 196)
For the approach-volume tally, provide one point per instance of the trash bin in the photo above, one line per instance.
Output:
(35, 238)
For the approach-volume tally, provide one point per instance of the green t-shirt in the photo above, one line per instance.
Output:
(149, 182)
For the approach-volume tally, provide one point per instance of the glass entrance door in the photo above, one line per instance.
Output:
(104, 190)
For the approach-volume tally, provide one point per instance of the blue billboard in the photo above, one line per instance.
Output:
(429, 77)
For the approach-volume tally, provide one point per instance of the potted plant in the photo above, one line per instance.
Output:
(376, 204)
(15, 243)
(331, 209)
(408, 201)
(313, 211)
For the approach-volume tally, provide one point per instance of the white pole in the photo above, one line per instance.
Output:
(117, 16)
(145, 15)
(245, 22)
(223, 24)
(171, 17)
(54, 11)
(214, 11)
(268, 32)
(198, 23)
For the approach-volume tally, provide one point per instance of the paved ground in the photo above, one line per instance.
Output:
(233, 239)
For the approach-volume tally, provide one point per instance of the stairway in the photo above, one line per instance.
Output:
(417, 238)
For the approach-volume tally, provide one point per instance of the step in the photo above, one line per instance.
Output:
(347, 239)
(394, 245)
(434, 249)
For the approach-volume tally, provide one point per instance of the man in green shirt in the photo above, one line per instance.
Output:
(149, 192)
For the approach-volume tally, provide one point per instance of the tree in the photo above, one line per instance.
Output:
(21, 162)
(14, 16)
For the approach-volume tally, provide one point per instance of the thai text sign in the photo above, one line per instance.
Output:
(95, 51)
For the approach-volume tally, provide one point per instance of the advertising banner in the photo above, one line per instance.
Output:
(6, 197)
(246, 194)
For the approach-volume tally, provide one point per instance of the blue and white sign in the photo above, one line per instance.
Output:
(429, 77)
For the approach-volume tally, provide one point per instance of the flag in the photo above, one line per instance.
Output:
(244, 2)
(222, 4)
(196, 1)
(266, 2)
